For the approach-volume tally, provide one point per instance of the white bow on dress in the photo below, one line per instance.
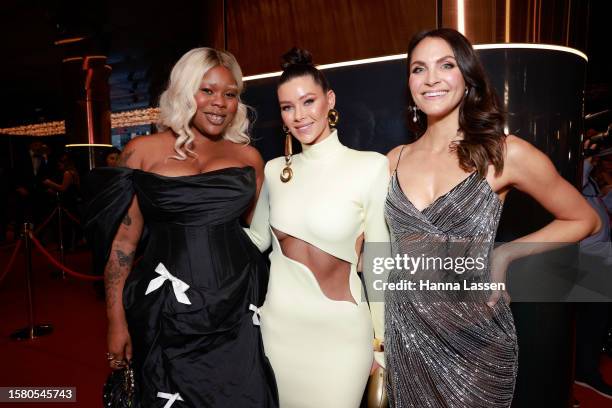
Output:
(170, 397)
(178, 285)
(256, 314)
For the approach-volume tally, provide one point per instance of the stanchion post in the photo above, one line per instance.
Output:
(32, 330)
(28, 262)
(60, 233)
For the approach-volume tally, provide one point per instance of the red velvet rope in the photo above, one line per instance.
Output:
(58, 264)
(11, 261)
(45, 222)
(72, 217)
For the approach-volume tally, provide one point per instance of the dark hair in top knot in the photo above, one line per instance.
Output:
(296, 56)
(298, 62)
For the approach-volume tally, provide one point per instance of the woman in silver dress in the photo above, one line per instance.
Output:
(448, 348)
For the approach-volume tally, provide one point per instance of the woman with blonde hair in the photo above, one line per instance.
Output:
(183, 317)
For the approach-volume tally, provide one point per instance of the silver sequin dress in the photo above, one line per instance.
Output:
(447, 348)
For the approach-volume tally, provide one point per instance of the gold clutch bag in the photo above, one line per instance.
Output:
(376, 391)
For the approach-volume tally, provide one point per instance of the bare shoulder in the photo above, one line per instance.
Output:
(153, 141)
(394, 154)
(144, 148)
(524, 163)
(250, 155)
(131, 156)
(518, 148)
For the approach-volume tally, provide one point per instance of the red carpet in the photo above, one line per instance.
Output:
(74, 355)
(589, 398)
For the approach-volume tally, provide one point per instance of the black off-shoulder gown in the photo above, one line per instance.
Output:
(208, 347)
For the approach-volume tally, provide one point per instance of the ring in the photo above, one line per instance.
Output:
(110, 356)
(116, 362)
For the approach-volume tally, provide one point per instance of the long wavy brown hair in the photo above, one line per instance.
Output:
(481, 118)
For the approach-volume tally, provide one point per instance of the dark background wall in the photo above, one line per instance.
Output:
(258, 32)
(143, 39)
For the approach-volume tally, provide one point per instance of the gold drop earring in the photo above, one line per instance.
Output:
(332, 118)
(287, 173)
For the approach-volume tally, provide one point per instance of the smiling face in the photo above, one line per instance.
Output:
(304, 108)
(217, 102)
(436, 83)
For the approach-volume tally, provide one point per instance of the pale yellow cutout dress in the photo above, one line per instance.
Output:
(320, 349)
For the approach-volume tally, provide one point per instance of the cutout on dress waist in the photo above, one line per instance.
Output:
(274, 230)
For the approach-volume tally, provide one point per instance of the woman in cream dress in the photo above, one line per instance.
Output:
(315, 209)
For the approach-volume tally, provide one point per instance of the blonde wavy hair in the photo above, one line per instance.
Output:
(177, 103)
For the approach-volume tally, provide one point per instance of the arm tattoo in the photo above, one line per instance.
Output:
(125, 156)
(114, 276)
(127, 220)
(124, 259)
(112, 280)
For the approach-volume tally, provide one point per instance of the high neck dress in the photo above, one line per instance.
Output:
(189, 302)
(447, 348)
(320, 349)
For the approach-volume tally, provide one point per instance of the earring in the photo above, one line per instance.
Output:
(332, 118)
(287, 173)
(415, 117)
(466, 91)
